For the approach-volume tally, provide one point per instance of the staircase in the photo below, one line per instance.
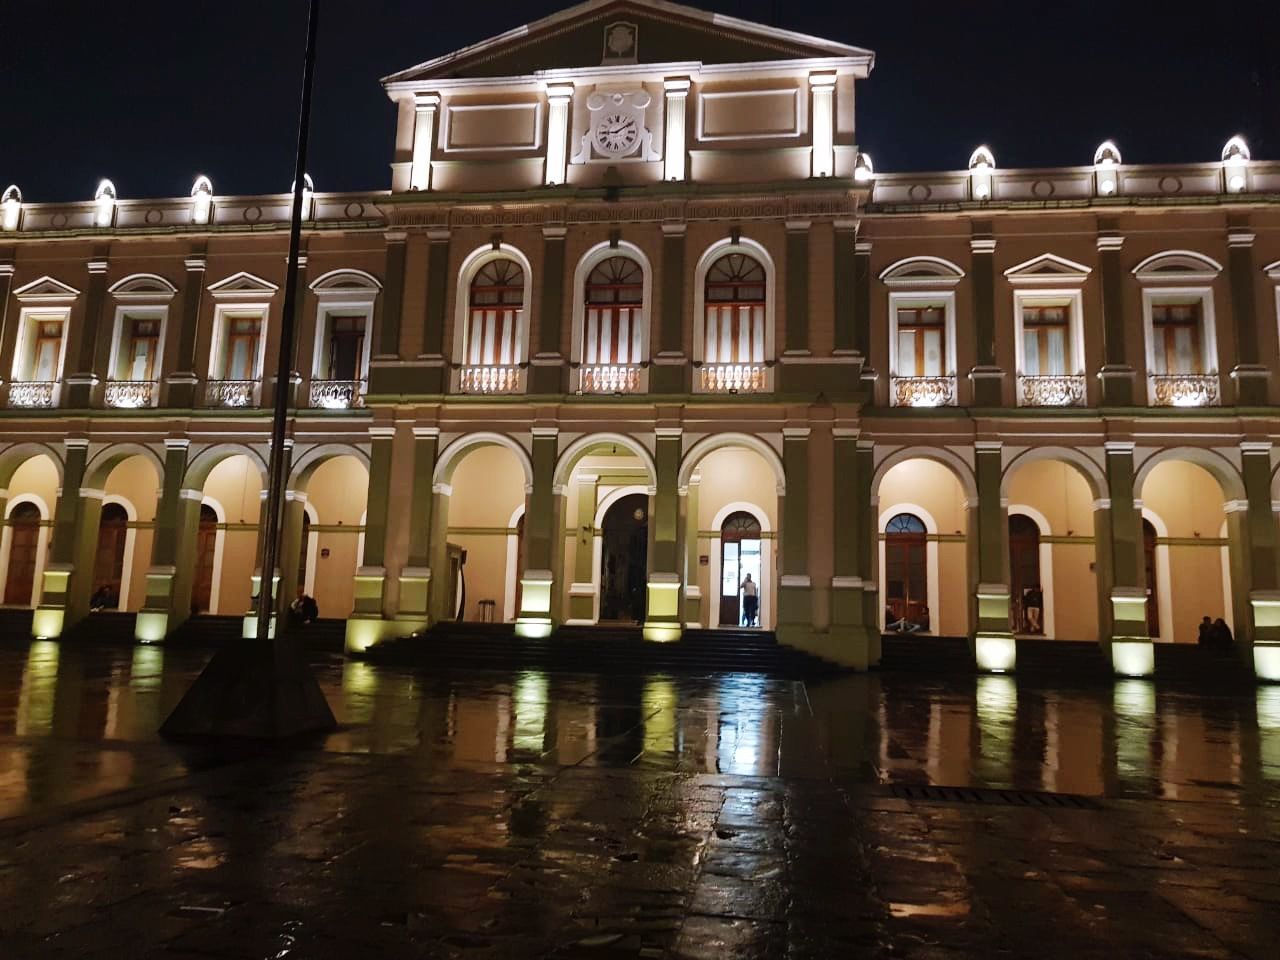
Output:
(1063, 660)
(1193, 665)
(15, 624)
(206, 630)
(912, 653)
(103, 626)
(605, 649)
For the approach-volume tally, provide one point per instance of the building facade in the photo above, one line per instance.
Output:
(638, 318)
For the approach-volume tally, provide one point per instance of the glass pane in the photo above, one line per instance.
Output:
(1031, 353)
(729, 573)
(933, 360)
(907, 354)
(1056, 351)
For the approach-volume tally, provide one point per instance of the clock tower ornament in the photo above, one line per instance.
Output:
(616, 130)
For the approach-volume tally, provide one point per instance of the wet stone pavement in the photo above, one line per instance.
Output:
(524, 814)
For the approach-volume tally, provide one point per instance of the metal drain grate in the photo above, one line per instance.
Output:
(993, 797)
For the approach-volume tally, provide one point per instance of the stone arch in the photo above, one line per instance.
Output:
(346, 278)
(451, 455)
(15, 455)
(584, 444)
(108, 458)
(942, 455)
(1092, 472)
(204, 460)
(921, 271)
(309, 460)
(1219, 467)
(147, 284)
(719, 441)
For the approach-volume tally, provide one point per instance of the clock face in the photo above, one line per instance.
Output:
(617, 134)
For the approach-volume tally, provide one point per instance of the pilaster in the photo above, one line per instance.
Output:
(582, 590)
(986, 374)
(391, 303)
(163, 608)
(542, 536)
(669, 372)
(797, 288)
(83, 344)
(1117, 373)
(432, 378)
(415, 575)
(795, 589)
(993, 643)
(1132, 653)
(851, 633)
(424, 133)
(66, 573)
(182, 382)
(1259, 543)
(662, 610)
(1249, 374)
(548, 369)
(366, 623)
(692, 589)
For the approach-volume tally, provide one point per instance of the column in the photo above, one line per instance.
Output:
(543, 535)
(548, 362)
(60, 585)
(1132, 654)
(1117, 373)
(1249, 374)
(559, 101)
(367, 623)
(868, 547)
(181, 383)
(823, 86)
(689, 520)
(424, 139)
(845, 298)
(1260, 560)
(662, 611)
(161, 611)
(797, 288)
(851, 634)
(83, 337)
(8, 331)
(582, 590)
(986, 374)
(795, 590)
(993, 643)
(669, 372)
(415, 575)
(434, 379)
(674, 157)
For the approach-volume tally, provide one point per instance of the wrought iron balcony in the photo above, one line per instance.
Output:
(37, 394)
(1184, 390)
(733, 378)
(620, 378)
(230, 393)
(337, 394)
(924, 391)
(1051, 391)
(489, 379)
(127, 394)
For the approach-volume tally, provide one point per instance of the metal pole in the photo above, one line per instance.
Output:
(288, 337)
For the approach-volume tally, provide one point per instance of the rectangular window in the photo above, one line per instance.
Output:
(734, 333)
(240, 361)
(346, 348)
(142, 343)
(1176, 328)
(1045, 329)
(46, 349)
(491, 341)
(922, 341)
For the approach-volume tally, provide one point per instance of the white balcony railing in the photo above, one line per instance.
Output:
(1051, 391)
(127, 394)
(1184, 390)
(733, 378)
(38, 394)
(624, 378)
(924, 391)
(337, 394)
(488, 379)
(229, 393)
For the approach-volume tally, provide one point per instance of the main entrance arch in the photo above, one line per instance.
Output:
(624, 559)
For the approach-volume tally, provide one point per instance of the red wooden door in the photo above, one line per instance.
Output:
(24, 540)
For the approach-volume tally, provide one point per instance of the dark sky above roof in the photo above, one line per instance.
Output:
(151, 93)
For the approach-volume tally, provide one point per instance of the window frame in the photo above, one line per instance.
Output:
(1073, 299)
(223, 314)
(1173, 293)
(119, 339)
(467, 270)
(758, 252)
(915, 300)
(595, 256)
(29, 320)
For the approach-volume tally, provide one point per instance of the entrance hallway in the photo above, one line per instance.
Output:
(781, 817)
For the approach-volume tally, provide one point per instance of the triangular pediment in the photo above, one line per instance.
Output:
(243, 284)
(620, 32)
(1047, 268)
(46, 289)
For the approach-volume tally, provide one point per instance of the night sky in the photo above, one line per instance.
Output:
(151, 93)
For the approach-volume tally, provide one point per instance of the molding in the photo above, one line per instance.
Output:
(795, 581)
(984, 245)
(1119, 446)
(426, 433)
(1240, 238)
(1110, 243)
(847, 583)
(176, 443)
(795, 433)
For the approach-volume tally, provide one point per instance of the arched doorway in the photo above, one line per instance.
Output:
(624, 559)
(24, 554)
(906, 572)
(1026, 606)
(206, 553)
(1149, 564)
(108, 565)
(740, 557)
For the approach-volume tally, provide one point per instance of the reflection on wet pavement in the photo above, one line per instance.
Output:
(528, 814)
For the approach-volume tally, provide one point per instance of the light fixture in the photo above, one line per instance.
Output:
(10, 207)
(863, 169)
(1105, 160)
(201, 199)
(981, 163)
(1235, 162)
(105, 202)
(308, 195)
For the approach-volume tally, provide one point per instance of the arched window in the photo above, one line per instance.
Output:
(906, 574)
(734, 325)
(613, 331)
(496, 310)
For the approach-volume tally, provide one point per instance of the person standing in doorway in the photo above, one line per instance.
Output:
(750, 602)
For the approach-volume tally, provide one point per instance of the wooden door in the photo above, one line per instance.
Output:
(1024, 574)
(108, 564)
(1149, 561)
(739, 555)
(24, 542)
(624, 559)
(206, 544)
(907, 571)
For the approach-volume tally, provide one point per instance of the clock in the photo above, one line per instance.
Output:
(616, 134)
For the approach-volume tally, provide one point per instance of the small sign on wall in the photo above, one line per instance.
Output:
(703, 560)
(324, 553)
